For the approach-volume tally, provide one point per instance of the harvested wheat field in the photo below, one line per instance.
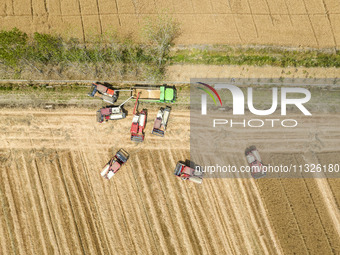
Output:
(278, 22)
(54, 200)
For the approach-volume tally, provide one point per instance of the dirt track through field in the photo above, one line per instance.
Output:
(54, 200)
(278, 22)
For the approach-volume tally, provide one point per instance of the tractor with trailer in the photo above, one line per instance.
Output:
(105, 93)
(187, 173)
(115, 163)
(112, 112)
(255, 163)
(138, 123)
(161, 94)
(161, 121)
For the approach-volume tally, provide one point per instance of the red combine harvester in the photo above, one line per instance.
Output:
(115, 164)
(106, 94)
(255, 163)
(138, 124)
(111, 112)
(187, 173)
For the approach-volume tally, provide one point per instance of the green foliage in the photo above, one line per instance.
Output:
(110, 56)
(46, 48)
(12, 46)
(257, 57)
(160, 34)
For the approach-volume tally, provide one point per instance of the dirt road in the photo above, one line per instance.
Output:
(54, 200)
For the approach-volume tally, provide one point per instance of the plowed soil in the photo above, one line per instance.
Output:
(54, 200)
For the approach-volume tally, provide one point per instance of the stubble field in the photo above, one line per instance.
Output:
(55, 201)
(280, 22)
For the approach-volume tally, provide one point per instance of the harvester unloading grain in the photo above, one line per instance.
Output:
(161, 121)
(112, 112)
(138, 124)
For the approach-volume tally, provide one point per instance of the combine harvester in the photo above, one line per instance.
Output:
(106, 94)
(115, 164)
(138, 124)
(112, 112)
(161, 121)
(187, 173)
(161, 94)
(255, 163)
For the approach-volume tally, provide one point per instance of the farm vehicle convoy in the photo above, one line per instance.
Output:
(158, 94)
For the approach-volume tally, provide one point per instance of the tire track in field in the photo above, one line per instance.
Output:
(195, 200)
(61, 173)
(118, 16)
(118, 199)
(152, 210)
(189, 236)
(221, 216)
(270, 12)
(234, 203)
(255, 204)
(259, 226)
(113, 208)
(5, 205)
(99, 189)
(236, 27)
(46, 8)
(252, 17)
(318, 214)
(81, 201)
(210, 200)
(250, 220)
(186, 198)
(311, 24)
(85, 164)
(34, 208)
(230, 215)
(99, 17)
(19, 207)
(61, 11)
(115, 186)
(207, 201)
(125, 219)
(156, 167)
(330, 22)
(226, 211)
(35, 166)
(109, 210)
(51, 203)
(145, 234)
(267, 223)
(188, 207)
(32, 13)
(288, 11)
(166, 211)
(325, 191)
(4, 239)
(81, 20)
(293, 213)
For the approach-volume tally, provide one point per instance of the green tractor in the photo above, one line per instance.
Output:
(162, 94)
